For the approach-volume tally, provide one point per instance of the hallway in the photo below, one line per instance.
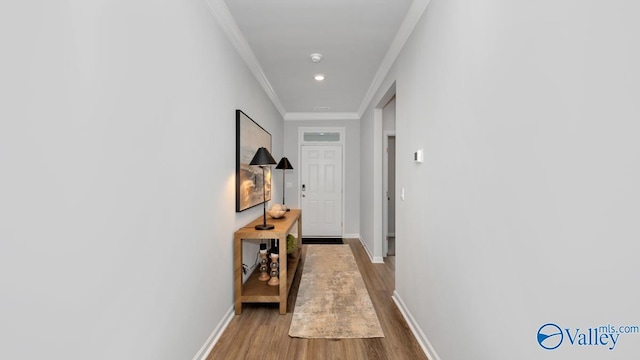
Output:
(261, 333)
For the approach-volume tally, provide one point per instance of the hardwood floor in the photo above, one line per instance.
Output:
(262, 333)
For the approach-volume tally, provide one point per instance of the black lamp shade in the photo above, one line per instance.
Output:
(284, 164)
(262, 157)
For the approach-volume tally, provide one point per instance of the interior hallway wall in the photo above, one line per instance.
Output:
(525, 210)
(117, 150)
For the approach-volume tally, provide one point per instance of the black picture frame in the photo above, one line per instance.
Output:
(250, 136)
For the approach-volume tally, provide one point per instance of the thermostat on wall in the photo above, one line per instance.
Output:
(418, 156)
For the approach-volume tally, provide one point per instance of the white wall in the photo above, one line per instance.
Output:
(352, 167)
(525, 210)
(389, 116)
(117, 152)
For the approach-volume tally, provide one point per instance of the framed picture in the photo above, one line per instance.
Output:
(249, 138)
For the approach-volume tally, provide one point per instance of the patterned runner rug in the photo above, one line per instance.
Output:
(333, 301)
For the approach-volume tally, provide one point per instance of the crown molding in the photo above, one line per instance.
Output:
(295, 116)
(222, 14)
(408, 24)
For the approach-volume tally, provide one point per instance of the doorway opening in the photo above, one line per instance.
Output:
(390, 203)
(384, 117)
(389, 178)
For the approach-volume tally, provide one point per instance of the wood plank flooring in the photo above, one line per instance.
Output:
(262, 333)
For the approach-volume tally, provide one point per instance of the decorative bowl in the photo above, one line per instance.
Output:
(276, 211)
(276, 214)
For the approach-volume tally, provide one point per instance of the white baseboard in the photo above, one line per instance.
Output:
(351, 236)
(215, 335)
(426, 346)
(374, 260)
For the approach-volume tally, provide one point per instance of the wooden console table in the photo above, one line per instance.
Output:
(254, 290)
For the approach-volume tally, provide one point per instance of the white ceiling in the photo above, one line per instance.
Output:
(355, 37)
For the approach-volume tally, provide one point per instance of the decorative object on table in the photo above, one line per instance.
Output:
(285, 165)
(263, 159)
(273, 247)
(250, 189)
(333, 301)
(276, 211)
(292, 243)
(264, 267)
(274, 281)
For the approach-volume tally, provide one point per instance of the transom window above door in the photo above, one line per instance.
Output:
(320, 136)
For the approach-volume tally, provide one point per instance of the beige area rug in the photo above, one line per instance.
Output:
(333, 301)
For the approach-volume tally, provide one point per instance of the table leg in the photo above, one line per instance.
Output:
(237, 248)
(282, 247)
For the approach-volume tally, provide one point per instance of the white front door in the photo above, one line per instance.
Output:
(321, 190)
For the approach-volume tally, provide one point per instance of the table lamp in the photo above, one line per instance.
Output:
(284, 164)
(263, 158)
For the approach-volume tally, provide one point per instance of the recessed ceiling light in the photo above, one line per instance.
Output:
(319, 77)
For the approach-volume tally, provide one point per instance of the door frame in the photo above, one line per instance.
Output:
(342, 131)
(385, 187)
(378, 193)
